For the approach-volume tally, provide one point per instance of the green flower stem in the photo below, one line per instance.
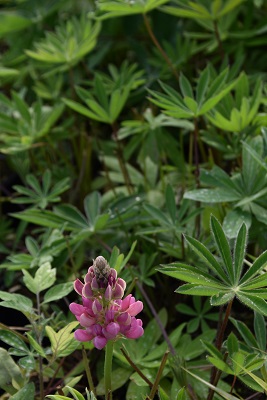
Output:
(88, 371)
(108, 370)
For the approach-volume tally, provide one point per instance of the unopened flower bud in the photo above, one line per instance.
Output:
(102, 271)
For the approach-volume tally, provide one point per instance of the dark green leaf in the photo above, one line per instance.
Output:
(239, 252)
(207, 256)
(223, 246)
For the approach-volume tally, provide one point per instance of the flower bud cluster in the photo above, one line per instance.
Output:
(103, 314)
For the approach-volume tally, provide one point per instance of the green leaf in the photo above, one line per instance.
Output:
(212, 349)
(157, 214)
(207, 257)
(218, 195)
(8, 72)
(92, 206)
(229, 6)
(244, 332)
(223, 246)
(170, 203)
(44, 278)
(260, 330)
(185, 86)
(256, 268)
(17, 302)
(181, 395)
(261, 382)
(221, 365)
(9, 371)
(36, 345)
(197, 290)
(254, 302)
(63, 342)
(27, 392)
(190, 274)
(239, 252)
(232, 344)
(74, 105)
(11, 22)
(211, 102)
(202, 86)
(58, 292)
(13, 340)
(76, 395)
(234, 220)
(221, 298)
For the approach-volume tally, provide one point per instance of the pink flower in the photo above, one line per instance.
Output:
(103, 314)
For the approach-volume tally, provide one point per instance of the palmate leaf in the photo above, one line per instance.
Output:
(68, 44)
(226, 284)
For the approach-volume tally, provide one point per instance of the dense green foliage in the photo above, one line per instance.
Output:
(136, 130)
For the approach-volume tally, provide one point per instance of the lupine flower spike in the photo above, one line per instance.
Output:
(103, 314)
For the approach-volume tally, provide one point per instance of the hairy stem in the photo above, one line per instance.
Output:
(140, 373)
(158, 376)
(154, 312)
(88, 371)
(156, 43)
(219, 342)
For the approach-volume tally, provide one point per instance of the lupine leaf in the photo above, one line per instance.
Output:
(223, 246)
(190, 274)
(207, 256)
(240, 251)
(197, 290)
(256, 267)
(256, 303)
(202, 85)
(260, 330)
(222, 298)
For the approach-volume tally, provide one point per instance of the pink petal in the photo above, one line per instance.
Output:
(109, 316)
(87, 291)
(83, 336)
(86, 320)
(87, 303)
(124, 319)
(96, 306)
(78, 286)
(111, 330)
(94, 284)
(126, 302)
(122, 283)
(108, 293)
(76, 309)
(135, 308)
(136, 329)
(100, 342)
(113, 273)
(117, 292)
